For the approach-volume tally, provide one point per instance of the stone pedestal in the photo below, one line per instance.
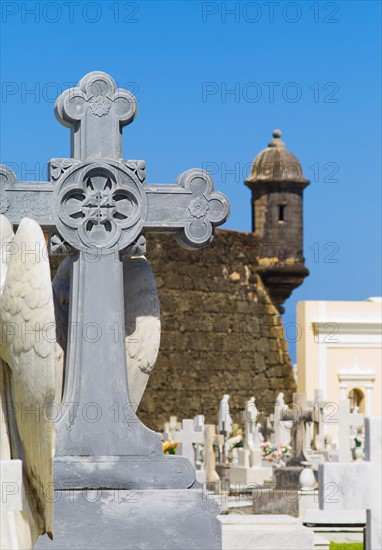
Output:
(224, 472)
(244, 476)
(276, 501)
(288, 478)
(134, 519)
(243, 473)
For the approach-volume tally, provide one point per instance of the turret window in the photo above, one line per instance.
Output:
(281, 212)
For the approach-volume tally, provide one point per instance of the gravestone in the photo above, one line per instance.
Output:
(346, 421)
(248, 468)
(267, 430)
(211, 439)
(199, 449)
(300, 414)
(96, 205)
(188, 437)
(357, 485)
(170, 427)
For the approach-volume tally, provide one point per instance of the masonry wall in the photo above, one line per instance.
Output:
(220, 332)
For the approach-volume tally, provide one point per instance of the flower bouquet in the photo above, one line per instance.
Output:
(169, 447)
(276, 455)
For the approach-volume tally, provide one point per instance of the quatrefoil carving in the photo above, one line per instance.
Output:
(100, 206)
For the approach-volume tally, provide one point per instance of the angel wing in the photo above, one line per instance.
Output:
(142, 322)
(27, 345)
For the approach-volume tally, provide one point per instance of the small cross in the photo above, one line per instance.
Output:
(188, 437)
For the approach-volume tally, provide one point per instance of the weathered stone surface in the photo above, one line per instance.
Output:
(135, 519)
(275, 501)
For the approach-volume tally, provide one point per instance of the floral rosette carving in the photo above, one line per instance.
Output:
(206, 206)
(100, 206)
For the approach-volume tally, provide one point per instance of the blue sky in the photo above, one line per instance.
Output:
(213, 79)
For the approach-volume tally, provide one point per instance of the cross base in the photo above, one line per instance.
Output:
(288, 477)
(129, 520)
(123, 472)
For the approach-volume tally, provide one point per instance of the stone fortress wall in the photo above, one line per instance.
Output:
(221, 333)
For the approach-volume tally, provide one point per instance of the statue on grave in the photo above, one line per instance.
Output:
(250, 417)
(224, 418)
(142, 318)
(282, 427)
(27, 378)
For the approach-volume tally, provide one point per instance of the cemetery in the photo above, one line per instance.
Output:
(80, 325)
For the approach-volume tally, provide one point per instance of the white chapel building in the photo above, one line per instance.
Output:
(340, 352)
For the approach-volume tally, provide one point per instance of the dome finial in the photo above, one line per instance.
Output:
(277, 141)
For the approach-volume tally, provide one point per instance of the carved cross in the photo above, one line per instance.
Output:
(98, 204)
(188, 436)
(300, 414)
(266, 428)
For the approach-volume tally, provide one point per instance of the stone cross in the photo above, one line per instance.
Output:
(266, 428)
(319, 407)
(187, 438)
(346, 420)
(357, 485)
(97, 205)
(210, 440)
(300, 414)
(170, 427)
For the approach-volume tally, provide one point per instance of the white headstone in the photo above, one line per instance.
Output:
(357, 485)
(346, 420)
(187, 437)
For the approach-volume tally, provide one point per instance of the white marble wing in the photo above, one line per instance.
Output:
(27, 346)
(142, 319)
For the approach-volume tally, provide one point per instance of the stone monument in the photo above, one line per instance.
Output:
(300, 414)
(249, 470)
(282, 427)
(96, 206)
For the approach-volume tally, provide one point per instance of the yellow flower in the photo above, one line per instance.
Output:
(170, 444)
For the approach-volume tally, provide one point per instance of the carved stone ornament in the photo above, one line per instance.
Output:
(100, 205)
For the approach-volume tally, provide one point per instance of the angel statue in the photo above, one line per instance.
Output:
(253, 438)
(27, 379)
(282, 427)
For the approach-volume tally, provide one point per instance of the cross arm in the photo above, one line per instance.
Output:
(190, 207)
(296, 415)
(20, 199)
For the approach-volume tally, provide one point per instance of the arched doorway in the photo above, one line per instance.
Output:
(357, 399)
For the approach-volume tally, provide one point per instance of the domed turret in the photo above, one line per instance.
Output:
(276, 164)
(277, 183)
